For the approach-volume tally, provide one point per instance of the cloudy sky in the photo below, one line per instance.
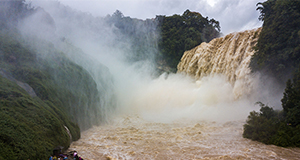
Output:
(233, 15)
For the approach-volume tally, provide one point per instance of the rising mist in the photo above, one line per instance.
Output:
(130, 86)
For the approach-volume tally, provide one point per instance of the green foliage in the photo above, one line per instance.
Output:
(271, 127)
(291, 100)
(178, 33)
(66, 96)
(29, 127)
(41, 91)
(278, 128)
(278, 54)
(181, 33)
(141, 36)
(278, 47)
(262, 126)
(56, 79)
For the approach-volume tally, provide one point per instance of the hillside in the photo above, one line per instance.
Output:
(164, 38)
(278, 48)
(46, 99)
(277, 56)
(50, 90)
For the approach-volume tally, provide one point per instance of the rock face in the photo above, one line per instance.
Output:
(25, 86)
(229, 56)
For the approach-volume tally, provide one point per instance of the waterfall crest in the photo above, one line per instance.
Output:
(228, 56)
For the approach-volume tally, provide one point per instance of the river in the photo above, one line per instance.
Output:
(199, 116)
(132, 137)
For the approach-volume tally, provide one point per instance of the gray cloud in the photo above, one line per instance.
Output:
(234, 15)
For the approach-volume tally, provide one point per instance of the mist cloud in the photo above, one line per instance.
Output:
(234, 15)
(170, 97)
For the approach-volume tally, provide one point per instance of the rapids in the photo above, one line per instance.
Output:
(176, 116)
(131, 137)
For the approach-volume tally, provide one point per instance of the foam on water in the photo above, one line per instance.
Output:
(197, 113)
(132, 137)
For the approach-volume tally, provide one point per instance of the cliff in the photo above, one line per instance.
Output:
(229, 56)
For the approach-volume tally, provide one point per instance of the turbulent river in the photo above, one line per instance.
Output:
(131, 137)
(197, 113)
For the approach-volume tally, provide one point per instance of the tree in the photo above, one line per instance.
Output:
(262, 126)
(291, 100)
(278, 127)
(181, 33)
(278, 48)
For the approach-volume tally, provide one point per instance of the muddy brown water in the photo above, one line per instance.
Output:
(132, 137)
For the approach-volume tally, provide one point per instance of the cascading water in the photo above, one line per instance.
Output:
(229, 56)
(181, 117)
(170, 117)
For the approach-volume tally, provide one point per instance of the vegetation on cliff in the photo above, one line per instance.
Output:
(278, 53)
(45, 98)
(280, 128)
(30, 125)
(165, 38)
(138, 36)
(180, 33)
(278, 46)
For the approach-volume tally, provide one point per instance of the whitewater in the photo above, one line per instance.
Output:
(131, 137)
(197, 113)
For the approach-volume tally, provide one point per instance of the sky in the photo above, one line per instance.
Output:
(233, 15)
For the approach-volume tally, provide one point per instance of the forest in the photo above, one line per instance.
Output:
(277, 55)
(40, 108)
(182, 33)
(164, 38)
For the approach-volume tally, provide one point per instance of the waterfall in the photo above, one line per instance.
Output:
(228, 56)
(172, 117)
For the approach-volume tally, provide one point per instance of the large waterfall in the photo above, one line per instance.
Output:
(175, 116)
(124, 109)
(229, 56)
